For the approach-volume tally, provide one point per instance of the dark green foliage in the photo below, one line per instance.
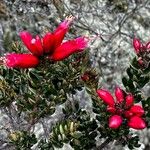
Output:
(22, 140)
(77, 129)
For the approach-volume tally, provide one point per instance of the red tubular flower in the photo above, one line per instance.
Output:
(129, 100)
(119, 94)
(61, 30)
(137, 45)
(48, 43)
(68, 48)
(106, 97)
(20, 60)
(136, 122)
(115, 121)
(34, 45)
(137, 110)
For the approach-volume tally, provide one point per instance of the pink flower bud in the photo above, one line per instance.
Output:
(129, 100)
(21, 60)
(119, 94)
(48, 43)
(137, 45)
(68, 48)
(106, 97)
(115, 121)
(140, 61)
(85, 77)
(136, 122)
(137, 110)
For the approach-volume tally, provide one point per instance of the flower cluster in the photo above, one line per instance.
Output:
(50, 44)
(142, 51)
(123, 109)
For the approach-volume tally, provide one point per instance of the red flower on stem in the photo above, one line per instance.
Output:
(122, 108)
(51, 43)
(142, 51)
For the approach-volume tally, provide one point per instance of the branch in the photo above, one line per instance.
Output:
(104, 144)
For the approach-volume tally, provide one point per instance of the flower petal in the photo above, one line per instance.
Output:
(115, 121)
(61, 30)
(21, 60)
(48, 42)
(129, 100)
(136, 122)
(137, 110)
(106, 97)
(26, 38)
(136, 45)
(68, 48)
(119, 94)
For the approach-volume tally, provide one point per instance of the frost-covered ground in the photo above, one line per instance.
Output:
(116, 21)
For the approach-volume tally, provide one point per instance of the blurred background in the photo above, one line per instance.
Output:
(113, 23)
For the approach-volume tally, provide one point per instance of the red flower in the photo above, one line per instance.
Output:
(51, 43)
(20, 60)
(122, 108)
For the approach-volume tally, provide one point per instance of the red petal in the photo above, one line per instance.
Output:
(128, 114)
(119, 94)
(137, 110)
(106, 97)
(137, 45)
(136, 122)
(21, 60)
(61, 30)
(36, 46)
(48, 42)
(111, 109)
(115, 121)
(68, 48)
(26, 38)
(129, 100)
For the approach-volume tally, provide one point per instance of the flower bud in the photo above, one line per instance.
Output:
(136, 45)
(136, 122)
(115, 121)
(119, 94)
(106, 97)
(129, 100)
